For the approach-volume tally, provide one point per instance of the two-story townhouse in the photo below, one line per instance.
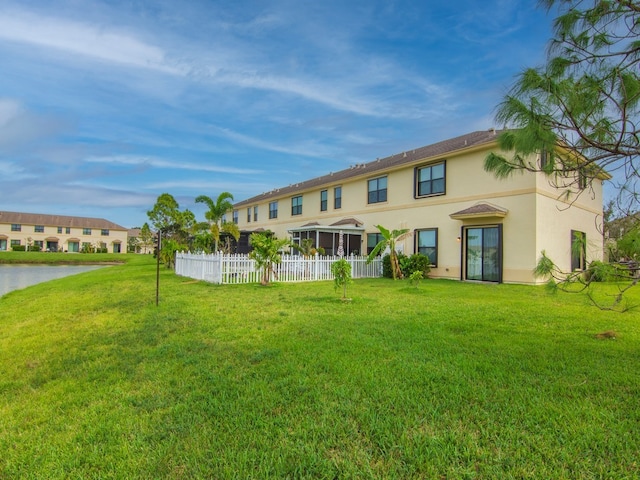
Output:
(60, 233)
(472, 225)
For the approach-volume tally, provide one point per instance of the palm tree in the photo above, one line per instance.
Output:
(217, 209)
(389, 239)
(266, 252)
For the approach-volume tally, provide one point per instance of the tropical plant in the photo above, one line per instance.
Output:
(305, 247)
(214, 215)
(168, 249)
(415, 278)
(341, 270)
(266, 253)
(390, 239)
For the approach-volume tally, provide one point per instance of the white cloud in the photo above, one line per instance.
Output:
(169, 164)
(20, 127)
(309, 149)
(91, 41)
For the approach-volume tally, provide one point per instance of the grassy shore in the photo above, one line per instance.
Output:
(56, 258)
(449, 380)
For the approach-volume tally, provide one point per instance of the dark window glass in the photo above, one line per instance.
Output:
(296, 205)
(430, 180)
(377, 190)
(427, 244)
(273, 210)
(324, 200)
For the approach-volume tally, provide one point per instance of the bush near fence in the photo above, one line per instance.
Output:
(223, 268)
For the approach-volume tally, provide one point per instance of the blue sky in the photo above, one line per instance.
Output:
(106, 105)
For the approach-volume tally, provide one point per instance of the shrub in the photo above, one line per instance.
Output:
(18, 248)
(418, 263)
(606, 272)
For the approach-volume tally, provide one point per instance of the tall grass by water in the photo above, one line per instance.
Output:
(448, 380)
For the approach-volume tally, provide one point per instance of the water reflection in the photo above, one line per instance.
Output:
(15, 277)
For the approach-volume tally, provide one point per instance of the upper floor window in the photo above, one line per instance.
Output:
(337, 198)
(59, 229)
(255, 213)
(249, 215)
(273, 209)
(38, 229)
(16, 227)
(296, 205)
(430, 180)
(86, 231)
(427, 244)
(235, 217)
(324, 200)
(377, 189)
(104, 232)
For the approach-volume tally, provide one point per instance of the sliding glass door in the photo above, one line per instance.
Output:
(483, 257)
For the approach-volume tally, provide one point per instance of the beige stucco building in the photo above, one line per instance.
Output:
(60, 233)
(472, 225)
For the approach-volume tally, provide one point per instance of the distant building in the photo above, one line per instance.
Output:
(60, 233)
(135, 244)
(472, 225)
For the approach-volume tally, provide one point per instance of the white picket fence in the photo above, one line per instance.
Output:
(238, 268)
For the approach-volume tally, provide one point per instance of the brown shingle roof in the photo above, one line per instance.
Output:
(480, 210)
(439, 149)
(57, 221)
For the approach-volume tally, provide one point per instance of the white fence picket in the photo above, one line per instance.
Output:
(238, 268)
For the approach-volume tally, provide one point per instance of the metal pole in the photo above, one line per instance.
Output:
(158, 267)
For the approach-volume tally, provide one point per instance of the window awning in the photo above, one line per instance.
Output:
(480, 210)
(69, 240)
(52, 239)
(3, 237)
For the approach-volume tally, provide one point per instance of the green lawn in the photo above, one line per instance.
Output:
(450, 380)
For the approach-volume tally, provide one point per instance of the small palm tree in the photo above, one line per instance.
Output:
(390, 240)
(266, 252)
(217, 209)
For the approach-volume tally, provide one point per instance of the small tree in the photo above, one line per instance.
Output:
(266, 253)
(341, 270)
(389, 240)
(146, 236)
(415, 278)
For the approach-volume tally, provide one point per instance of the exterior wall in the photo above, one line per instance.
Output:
(28, 236)
(534, 219)
(556, 219)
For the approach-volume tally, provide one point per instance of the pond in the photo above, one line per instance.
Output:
(15, 277)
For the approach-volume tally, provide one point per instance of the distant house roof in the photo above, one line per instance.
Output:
(439, 149)
(57, 221)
